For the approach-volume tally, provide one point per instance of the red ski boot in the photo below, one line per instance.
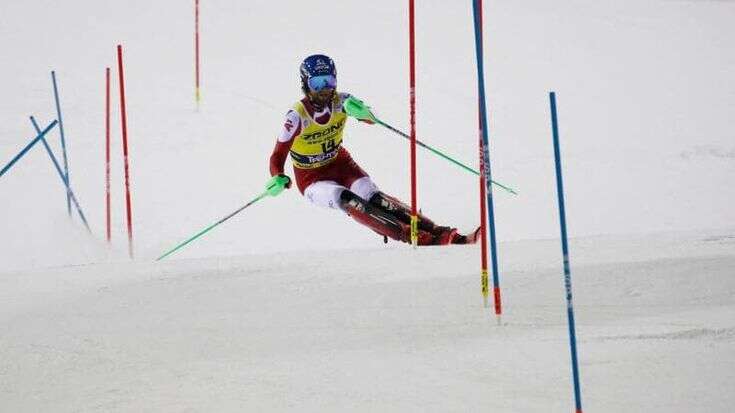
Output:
(470, 238)
(444, 235)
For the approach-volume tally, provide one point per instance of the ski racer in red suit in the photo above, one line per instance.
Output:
(325, 172)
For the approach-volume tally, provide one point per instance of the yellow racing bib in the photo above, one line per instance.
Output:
(317, 145)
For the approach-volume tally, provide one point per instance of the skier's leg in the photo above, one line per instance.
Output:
(365, 188)
(401, 210)
(353, 177)
(443, 235)
(324, 194)
(349, 174)
(379, 221)
(330, 194)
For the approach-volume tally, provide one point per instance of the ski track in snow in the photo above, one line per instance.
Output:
(725, 334)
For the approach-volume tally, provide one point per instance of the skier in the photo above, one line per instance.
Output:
(325, 172)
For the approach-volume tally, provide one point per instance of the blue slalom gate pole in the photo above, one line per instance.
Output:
(565, 252)
(63, 139)
(477, 12)
(35, 140)
(61, 174)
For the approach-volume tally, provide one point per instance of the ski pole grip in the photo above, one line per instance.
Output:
(358, 109)
(277, 184)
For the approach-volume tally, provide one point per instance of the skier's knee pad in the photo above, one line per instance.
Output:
(325, 194)
(364, 187)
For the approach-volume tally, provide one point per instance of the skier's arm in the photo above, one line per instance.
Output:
(278, 180)
(291, 129)
(278, 157)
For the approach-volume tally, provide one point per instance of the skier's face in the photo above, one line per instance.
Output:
(322, 97)
(321, 89)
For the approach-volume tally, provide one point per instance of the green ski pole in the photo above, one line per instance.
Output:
(207, 229)
(357, 109)
(274, 187)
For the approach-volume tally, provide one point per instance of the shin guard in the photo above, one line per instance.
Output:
(379, 220)
(401, 211)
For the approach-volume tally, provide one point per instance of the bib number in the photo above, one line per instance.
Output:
(329, 146)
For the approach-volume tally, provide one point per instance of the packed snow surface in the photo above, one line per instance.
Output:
(378, 330)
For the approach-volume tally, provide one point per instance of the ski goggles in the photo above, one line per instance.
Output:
(318, 83)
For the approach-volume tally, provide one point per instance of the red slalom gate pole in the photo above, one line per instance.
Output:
(198, 96)
(412, 58)
(107, 153)
(125, 150)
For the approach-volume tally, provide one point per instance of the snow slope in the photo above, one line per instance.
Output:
(290, 307)
(378, 330)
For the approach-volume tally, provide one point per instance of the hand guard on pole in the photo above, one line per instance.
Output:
(359, 110)
(277, 184)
